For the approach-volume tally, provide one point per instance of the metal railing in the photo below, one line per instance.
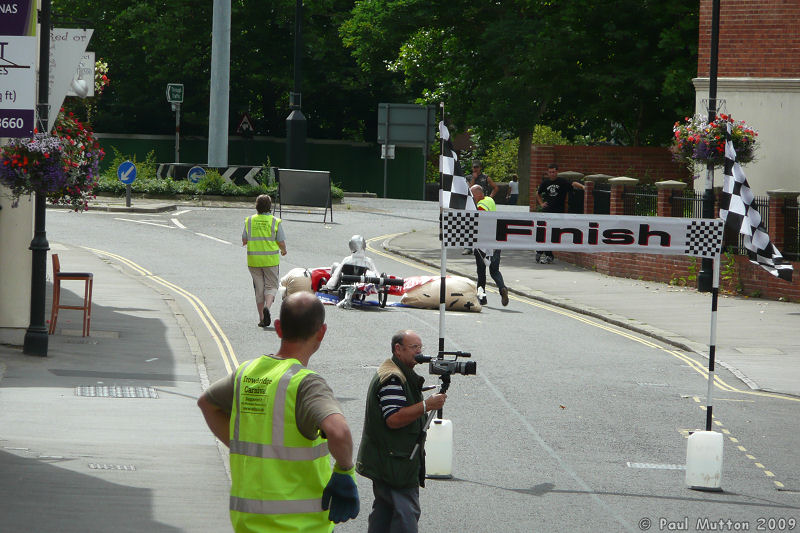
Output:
(791, 236)
(689, 204)
(641, 201)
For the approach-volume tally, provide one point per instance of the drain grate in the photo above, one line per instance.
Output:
(657, 466)
(115, 391)
(104, 466)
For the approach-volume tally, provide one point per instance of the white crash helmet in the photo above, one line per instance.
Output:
(357, 243)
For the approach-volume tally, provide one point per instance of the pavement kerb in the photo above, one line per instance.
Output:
(667, 337)
(199, 360)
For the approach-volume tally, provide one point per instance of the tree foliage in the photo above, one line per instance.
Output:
(616, 69)
(151, 43)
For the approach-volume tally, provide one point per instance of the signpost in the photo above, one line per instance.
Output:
(126, 172)
(405, 125)
(175, 97)
(195, 174)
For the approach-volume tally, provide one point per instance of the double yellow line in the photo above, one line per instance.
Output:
(223, 344)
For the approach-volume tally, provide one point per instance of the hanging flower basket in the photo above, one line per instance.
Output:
(63, 165)
(698, 142)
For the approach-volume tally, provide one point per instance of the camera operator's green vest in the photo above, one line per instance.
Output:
(384, 453)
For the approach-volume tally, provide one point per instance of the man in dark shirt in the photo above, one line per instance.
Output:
(552, 195)
(489, 187)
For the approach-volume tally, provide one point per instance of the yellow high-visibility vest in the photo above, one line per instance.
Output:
(262, 247)
(487, 203)
(278, 475)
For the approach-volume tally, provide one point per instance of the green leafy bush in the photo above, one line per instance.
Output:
(213, 184)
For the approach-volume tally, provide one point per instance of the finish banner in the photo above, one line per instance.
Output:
(497, 230)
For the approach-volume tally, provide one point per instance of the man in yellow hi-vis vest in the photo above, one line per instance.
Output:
(282, 424)
(264, 238)
(486, 203)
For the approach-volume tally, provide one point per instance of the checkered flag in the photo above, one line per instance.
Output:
(704, 238)
(460, 228)
(455, 192)
(736, 209)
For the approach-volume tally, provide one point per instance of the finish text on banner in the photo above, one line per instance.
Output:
(582, 233)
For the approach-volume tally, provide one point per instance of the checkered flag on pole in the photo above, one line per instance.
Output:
(455, 192)
(736, 209)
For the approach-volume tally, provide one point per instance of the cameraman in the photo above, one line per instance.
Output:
(394, 421)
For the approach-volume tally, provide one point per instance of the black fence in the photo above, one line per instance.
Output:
(642, 201)
(689, 204)
(791, 238)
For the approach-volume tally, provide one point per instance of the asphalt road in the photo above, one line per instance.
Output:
(570, 424)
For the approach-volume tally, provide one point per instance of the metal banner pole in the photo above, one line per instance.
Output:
(712, 343)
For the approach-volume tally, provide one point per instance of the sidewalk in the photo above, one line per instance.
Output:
(104, 433)
(757, 339)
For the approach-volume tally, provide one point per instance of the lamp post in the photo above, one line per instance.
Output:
(296, 121)
(36, 340)
(705, 276)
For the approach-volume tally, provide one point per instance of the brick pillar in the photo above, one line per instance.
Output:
(666, 190)
(618, 186)
(588, 191)
(776, 225)
(541, 156)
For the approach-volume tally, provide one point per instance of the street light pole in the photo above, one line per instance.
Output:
(296, 126)
(36, 340)
(705, 277)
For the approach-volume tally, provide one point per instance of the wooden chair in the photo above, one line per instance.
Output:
(58, 277)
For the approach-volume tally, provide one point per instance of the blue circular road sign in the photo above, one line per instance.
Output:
(126, 172)
(196, 174)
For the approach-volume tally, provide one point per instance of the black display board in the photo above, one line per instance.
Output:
(310, 188)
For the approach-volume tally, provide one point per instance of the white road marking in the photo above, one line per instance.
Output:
(177, 223)
(212, 238)
(145, 222)
(181, 212)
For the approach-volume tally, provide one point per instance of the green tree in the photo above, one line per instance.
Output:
(602, 68)
(151, 43)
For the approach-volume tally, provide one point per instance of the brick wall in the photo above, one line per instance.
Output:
(757, 39)
(740, 277)
(648, 163)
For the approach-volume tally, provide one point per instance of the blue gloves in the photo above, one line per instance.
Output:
(341, 495)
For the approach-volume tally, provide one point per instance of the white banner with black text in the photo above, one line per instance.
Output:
(497, 230)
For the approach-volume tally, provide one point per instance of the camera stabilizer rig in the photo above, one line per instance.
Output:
(444, 368)
(381, 283)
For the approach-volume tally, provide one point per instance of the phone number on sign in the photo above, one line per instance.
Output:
(719, 524)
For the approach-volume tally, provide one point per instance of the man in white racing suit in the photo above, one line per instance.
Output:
(358, 258)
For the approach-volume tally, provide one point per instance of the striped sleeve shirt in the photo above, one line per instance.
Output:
(392, 397)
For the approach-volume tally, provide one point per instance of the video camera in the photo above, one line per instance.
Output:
(446, 367)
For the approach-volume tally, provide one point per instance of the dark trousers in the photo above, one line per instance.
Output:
(494, 268)
(394, 510)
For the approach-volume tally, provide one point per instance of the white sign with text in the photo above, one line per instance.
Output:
(67, 46)
(17, 85)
